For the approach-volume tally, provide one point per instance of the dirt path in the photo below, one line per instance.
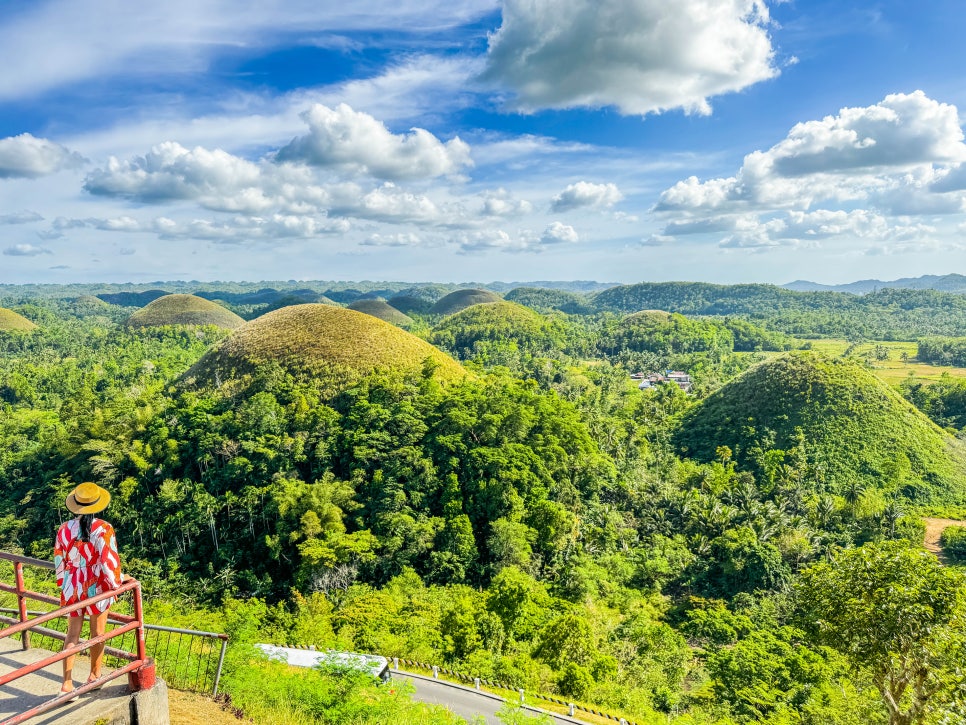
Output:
(934, 529)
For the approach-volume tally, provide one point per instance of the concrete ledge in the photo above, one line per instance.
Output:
(113, 704)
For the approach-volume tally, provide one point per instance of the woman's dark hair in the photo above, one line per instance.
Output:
(86, 521)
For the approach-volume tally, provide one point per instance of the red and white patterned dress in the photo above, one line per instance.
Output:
(86, 568)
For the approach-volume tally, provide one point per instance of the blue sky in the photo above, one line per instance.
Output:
(616, 140)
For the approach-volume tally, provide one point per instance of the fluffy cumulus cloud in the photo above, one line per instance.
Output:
(640, 56)
(864, 173)
(585, 194)
(354, 142)
(857, 153)
(558, 233)
(25, 250)
(500, 203)
(28, 157)
(169, 172)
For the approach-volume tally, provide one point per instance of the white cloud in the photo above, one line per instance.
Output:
(355, 142)
(876, 173)
(25, 250)
(490, 240)
(114, 224)
(558, 233)
(641, 56)
(386, 203)
(26, 156)
(585, 194)
(256, 228)
(797, 229)
(500, 203)
(23, 217)
(858, 153)
(214, 179)
(54, 42)
(406, 239)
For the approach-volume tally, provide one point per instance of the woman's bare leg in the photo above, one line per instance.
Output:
(74, 625)
(98, 627)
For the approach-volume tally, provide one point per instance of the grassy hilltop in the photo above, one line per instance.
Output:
(181, 309)
(10, 320)
(850, 425)
(314, 340)
(461, 299)
(383, 310)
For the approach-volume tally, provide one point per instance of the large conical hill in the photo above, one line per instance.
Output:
(494, 322)
(181, 309)
(461, 299)
(851, 425)
(316, 340)
(383, 310)
(10, 321)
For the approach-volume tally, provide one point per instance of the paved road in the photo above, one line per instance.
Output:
(464, 702)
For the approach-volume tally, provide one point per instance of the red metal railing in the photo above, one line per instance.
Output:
(140, 669)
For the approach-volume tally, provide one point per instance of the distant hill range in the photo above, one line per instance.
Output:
(955, 283)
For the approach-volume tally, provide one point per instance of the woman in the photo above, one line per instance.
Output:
(87, 563)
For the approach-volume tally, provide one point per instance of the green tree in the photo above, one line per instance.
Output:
(894, 610)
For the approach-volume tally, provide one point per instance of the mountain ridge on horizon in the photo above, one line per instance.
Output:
(952, 282)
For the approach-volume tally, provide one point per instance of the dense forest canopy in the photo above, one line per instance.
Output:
(527, 513)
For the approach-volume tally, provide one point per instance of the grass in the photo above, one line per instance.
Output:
(382, 310)
(184, 310)
(10, 320)
(189, 708)
(320, 340)
(461, 299)
(856, 426)
(894, 368)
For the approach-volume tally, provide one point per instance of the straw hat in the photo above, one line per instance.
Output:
(88, 498)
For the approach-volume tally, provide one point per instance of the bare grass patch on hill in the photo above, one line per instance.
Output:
(184, 310)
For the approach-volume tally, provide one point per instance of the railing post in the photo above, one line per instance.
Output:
(21, 603)
(570, 709)
(221, 662)
(142, 678)
(139, 616)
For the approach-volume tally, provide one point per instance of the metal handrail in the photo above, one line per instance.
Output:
(140, 662)
(160, 660)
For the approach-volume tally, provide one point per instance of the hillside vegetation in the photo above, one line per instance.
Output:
(383, 310)
(320, 476)
(181, 309)
(316, 340)
(461, 299)
(11, 321)
(845, 425)
(502, 323)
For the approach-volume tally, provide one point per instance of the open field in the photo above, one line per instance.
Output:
(893, 368)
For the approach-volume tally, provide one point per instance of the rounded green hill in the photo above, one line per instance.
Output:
(321, 341)
(182, 309)
(545, 300)
(383, 310)
(461, 299)
(838, 419)
(499, 322)
(10, 321)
